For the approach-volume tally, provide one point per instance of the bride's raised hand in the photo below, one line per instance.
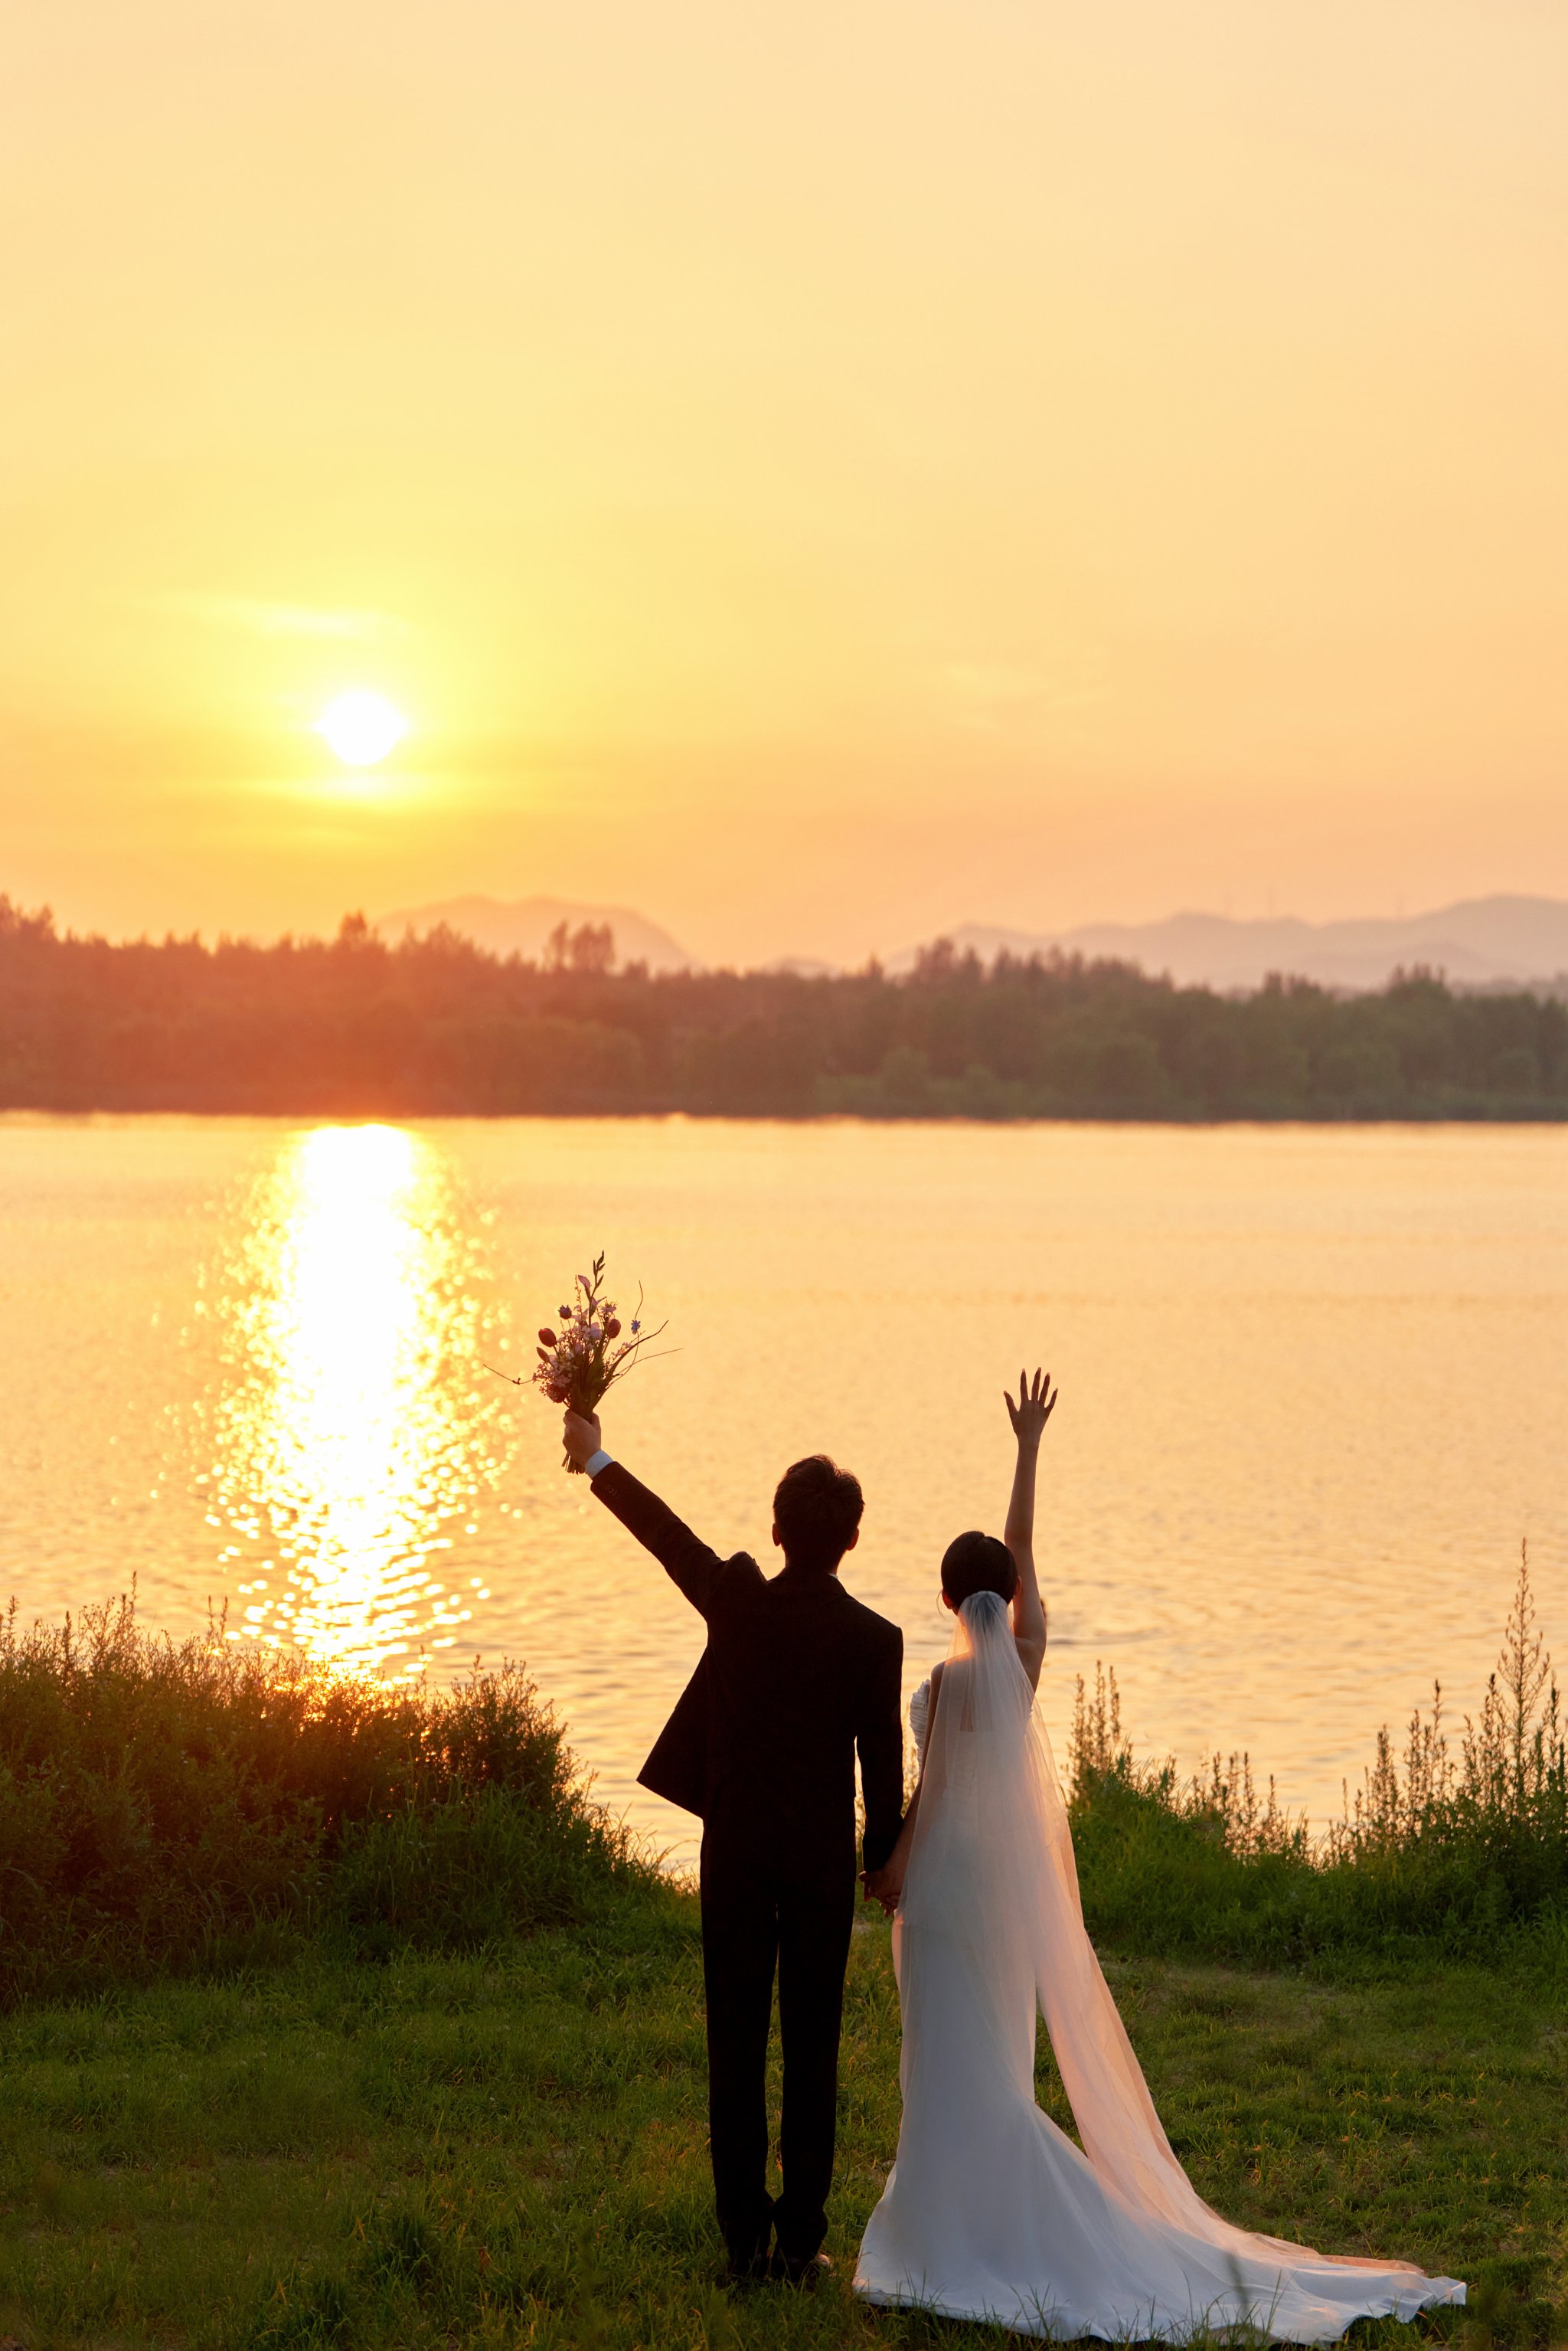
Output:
(1036, 1403)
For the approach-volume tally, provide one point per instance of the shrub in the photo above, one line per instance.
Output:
(169, 1804)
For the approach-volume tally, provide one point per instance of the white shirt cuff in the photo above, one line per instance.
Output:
(598, 1461)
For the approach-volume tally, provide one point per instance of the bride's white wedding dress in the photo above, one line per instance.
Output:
(991, 2211)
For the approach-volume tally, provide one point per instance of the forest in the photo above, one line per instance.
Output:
(356, 1027)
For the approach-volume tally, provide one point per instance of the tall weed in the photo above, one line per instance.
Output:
(1464, 1853)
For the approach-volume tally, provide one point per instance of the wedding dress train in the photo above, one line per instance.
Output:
(991, 2212)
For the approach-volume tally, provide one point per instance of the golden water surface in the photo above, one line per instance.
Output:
(1314, 1383)
(352, 1435)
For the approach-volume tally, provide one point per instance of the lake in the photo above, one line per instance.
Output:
(1314, 1387)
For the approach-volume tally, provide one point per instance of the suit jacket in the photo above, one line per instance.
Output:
(796, 1677)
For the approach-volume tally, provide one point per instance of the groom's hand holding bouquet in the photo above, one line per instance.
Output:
(589, 1351)
(582, 1437)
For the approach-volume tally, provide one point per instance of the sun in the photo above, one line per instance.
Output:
(362, 728)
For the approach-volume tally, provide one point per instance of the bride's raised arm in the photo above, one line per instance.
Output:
(1036, 1403)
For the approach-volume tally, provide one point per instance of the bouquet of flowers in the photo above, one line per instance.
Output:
(590, 1351)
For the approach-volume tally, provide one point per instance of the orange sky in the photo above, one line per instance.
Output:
(818, 474)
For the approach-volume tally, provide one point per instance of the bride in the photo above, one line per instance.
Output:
(991, 2212)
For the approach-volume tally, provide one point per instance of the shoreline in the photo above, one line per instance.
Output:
(1415, 1121)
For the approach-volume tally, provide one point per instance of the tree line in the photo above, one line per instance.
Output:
(355, 1027)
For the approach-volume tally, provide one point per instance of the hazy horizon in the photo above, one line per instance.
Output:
(1497, 940)
(820, 482)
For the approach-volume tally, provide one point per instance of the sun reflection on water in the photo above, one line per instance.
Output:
(357, 1431)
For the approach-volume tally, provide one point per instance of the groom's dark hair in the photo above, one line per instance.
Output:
(977, 1563)
(817, 1507)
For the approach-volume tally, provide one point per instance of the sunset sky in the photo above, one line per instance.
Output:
(817, 474)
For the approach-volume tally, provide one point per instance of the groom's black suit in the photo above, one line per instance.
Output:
(796, 1676)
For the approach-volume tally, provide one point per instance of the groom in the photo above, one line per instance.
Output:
(794, 1678)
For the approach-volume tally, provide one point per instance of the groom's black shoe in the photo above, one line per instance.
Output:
(753, 2264)
(807, 2275)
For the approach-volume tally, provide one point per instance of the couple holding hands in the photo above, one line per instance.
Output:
(990, 2212)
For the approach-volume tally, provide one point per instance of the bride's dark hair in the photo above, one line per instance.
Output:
(977, 1563)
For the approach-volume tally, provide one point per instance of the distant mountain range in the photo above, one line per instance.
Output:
(1478, 943)
(523, 927)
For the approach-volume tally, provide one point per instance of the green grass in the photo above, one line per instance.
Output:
(509, 2148)
(169, 1806)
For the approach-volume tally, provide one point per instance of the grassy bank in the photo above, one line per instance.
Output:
(509, 2148)
(199, 1805)
(204, 1805)
(339, 2016)
(1455, 1848)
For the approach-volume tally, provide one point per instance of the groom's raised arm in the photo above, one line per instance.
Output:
(684, 1557)
(879, 1738)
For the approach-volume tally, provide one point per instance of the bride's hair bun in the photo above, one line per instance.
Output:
(976, 1562)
